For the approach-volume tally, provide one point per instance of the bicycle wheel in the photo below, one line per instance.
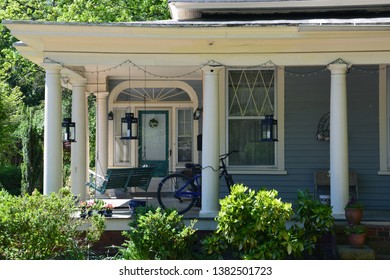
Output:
(177, 191)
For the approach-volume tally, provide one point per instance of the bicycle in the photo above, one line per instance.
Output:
(180, 192)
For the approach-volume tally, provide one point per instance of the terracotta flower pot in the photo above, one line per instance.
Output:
(357, 240)
(353, 215)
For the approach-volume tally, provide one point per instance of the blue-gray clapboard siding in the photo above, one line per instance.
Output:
(306, 100)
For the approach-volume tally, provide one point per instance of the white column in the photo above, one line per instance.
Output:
(101, 133)
(52, 154)
(78, 155)
(210, 146)
(339, 166)
(87, 133)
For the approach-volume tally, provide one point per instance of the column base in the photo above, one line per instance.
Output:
(208, 214)
(339, 216)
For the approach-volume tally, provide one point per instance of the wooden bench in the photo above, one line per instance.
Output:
(124, 178)
(322, 180)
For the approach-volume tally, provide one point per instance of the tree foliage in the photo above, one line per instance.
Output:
(10, 102)
(22, 81)
(85, 10)
(30, 132)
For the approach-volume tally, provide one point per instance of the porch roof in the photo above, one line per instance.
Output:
(194, 9)
(162, 44)
(356, 21)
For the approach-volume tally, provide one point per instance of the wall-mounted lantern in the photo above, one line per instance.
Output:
(129, 127)
(110, 116)
(68, 130)
(198, 113)
(268, 129)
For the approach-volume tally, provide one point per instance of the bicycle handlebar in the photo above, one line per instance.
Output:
(221, 158)
(224, 156)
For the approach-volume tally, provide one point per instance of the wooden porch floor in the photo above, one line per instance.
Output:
(122, 216)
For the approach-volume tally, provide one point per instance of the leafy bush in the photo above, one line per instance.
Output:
(252, 225)
(43, 227)
(314, 220)
(158, 235)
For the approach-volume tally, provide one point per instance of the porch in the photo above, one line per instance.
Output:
(377, 242)
(122, 215)
(377, 222)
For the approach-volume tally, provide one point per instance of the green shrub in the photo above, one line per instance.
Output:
(314, 220)
(43, 227)
(252, 225)
(158, 235)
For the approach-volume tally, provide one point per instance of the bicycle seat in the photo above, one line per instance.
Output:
(193, 165)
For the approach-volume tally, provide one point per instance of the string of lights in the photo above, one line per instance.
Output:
(268, 63)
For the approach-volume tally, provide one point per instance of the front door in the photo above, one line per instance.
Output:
(153, 149)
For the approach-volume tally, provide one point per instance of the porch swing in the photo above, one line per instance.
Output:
(121, 178)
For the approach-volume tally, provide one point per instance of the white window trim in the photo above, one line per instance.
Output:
(194, 134)
(384, 121)
(279, 168)
(172, 107)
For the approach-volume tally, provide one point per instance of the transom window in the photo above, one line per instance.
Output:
(251, 96)
(163, 94)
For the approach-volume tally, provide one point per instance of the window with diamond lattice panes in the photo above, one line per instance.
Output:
(251, 97)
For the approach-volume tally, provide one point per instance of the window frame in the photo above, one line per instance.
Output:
(384, 120)
(279, 167)
(190, 110)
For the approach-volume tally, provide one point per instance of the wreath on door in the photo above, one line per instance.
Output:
(153, 123)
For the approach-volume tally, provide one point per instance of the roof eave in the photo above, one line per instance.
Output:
(191, 10)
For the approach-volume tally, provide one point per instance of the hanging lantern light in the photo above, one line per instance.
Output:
(129, 124)
(129, 127)
(110, 116)
(68, 130)
(269, 129)
(134, 128)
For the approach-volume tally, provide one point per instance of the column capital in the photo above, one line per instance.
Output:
(209, 69)
(101, 94)
(52, 67)
(338, 67)
(82, 82)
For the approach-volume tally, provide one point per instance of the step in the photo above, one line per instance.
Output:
(346, 252)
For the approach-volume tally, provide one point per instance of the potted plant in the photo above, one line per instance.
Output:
(83, 209)
(356, 235)
(354, 211)
(108, 210)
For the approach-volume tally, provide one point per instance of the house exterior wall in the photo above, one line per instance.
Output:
(306, 101)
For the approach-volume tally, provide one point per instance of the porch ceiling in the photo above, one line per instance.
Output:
(191, 44)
